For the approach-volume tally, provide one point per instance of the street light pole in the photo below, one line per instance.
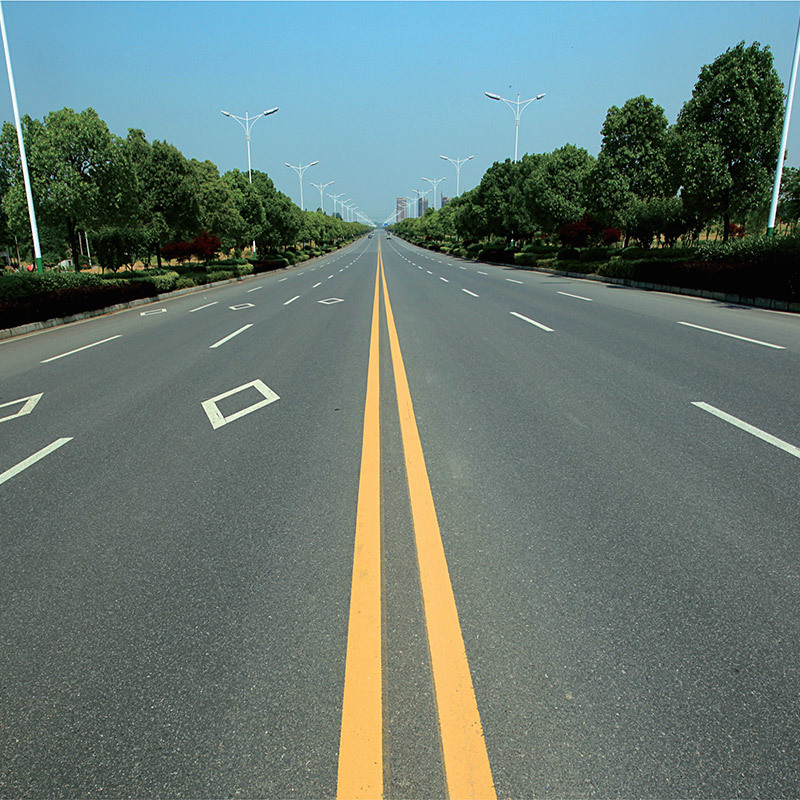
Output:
(300, 169)
(517, 106)
(435, 182)
(459, 162)
(776, 188)
(335, 197)
(247, 123)
(322, 186)
(37, 250)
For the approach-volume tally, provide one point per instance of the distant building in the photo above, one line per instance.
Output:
(422, 205)
(401, 208)
(445, 201)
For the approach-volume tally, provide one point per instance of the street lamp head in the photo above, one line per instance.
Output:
(445, 158)
(270, 111)
(470, 158)
(288, 165)
(312, 163)
(539, 96)
(226, 113)
(493, 96)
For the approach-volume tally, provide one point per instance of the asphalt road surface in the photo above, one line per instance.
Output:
(390, 523)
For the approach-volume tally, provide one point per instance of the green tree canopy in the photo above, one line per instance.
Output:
(728, 134)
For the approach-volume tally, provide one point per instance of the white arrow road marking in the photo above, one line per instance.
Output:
(215, 416)
(27, 407)
(38, 456)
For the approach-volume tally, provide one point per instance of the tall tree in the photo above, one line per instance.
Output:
(728, 134)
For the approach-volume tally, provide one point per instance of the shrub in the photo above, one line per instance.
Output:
(220, 275)
(499, 256)
(594, 254)
(184, 282)
(525, 259)
(472, 250)
(567, 254)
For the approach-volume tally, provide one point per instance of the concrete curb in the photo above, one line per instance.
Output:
(32, 327)
(736, 299)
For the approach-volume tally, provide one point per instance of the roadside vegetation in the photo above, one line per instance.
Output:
(681, 205)
(121, 219)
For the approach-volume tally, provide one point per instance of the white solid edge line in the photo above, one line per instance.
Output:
(45, 451)
(746, 426)
(734, 336)
(532, 321)
(577, 297)
(292, 300)
(469, 292)
(207, 305)
(78, 350)
(230, 336)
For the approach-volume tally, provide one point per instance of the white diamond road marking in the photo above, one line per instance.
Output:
(150, 313)
(241, 306)
(215, 416)
(330, 301)
(27, 406)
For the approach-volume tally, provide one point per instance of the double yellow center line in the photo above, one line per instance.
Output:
(361, 757)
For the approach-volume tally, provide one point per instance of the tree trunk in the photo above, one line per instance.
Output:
(158, 254)
(726, 226)
(72, 239)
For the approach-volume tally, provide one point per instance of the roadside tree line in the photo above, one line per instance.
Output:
(651, 182)
(136, 199)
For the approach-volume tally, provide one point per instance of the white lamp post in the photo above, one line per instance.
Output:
(37, 251)
(435, 182)
(517, 106)
(776, 188)
(335, 197)
(247, 123)
(300, 169)
(459, 162)
(322, 186)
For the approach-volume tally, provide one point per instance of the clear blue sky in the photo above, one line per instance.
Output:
(374, 90)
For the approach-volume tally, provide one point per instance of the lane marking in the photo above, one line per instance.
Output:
(466, 762)
(460, 267)
(316, 284)
(28, 404)
(469, 292)
(532, 321)
(429, 272)
(241, 306)
(330, 276)
(30, 460)
(361, 742)
(331, 301)
(292, 300)
(230, 336)
(482, 273)
(512, 280)
(154, 311)
(281, 280)
(254, 289)
(577, 297)
(733, 336)
(207, 305)
(215, 416)
(78, 350)
(751, 429)
(444, 279)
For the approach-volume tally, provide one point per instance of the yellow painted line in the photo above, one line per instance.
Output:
(361, 742)
(466, 761)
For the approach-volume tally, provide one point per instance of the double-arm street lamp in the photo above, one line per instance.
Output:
(459, 163)
(322, 186)
(335, 198)
(517, 106)
(300, 169)
(435, 182)
(247, 123)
